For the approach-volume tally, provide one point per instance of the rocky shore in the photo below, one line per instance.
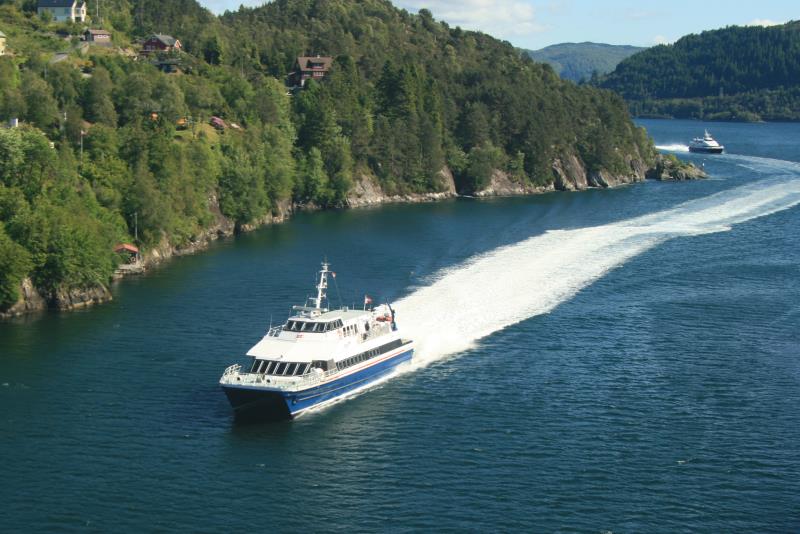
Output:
(670, 168)
(569, 174)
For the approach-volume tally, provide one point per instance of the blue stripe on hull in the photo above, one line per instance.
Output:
(299, 401)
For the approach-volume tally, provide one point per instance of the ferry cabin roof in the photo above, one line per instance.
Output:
(327, 335)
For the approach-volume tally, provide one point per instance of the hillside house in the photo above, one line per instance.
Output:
(63, 10)
(99, 37)
(306, 67)
(161, 43)
(2, 44)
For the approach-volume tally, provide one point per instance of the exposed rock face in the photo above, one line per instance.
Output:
(367, 192)
(569, 174)
(501, 185)
(80, 298)
(668, 167)
(64, 299)
(30, 301)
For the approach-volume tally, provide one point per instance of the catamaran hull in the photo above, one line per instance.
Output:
(261, 403)
(707, 150)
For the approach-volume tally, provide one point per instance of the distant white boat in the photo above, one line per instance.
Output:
(706, 145)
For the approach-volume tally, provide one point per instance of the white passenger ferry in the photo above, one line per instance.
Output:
(706, 145)
(316, 357)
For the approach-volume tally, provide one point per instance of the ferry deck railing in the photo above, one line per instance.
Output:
(234, 375)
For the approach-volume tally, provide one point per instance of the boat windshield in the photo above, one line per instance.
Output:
(312, 326)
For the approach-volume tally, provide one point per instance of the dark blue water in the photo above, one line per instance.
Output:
(588, 362)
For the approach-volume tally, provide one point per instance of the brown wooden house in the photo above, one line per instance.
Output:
(161, 43)
(306, 67)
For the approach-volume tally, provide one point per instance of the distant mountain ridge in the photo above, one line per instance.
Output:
(578, 61)
(734, 73)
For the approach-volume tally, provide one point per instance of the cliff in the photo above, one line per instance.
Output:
(367, 191)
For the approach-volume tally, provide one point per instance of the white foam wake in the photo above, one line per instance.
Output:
(492, 291)
(674, 147)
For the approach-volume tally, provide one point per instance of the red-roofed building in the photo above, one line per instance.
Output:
(161, 43)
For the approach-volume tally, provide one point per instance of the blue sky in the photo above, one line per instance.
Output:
(535, 24)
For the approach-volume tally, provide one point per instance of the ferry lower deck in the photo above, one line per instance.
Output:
(252, 401)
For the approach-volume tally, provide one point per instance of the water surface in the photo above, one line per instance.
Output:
(622, 360)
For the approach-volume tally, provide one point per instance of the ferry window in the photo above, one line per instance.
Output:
(290, 368)
(301, 369)
(267, 367)
(254, 367)
(279, 369)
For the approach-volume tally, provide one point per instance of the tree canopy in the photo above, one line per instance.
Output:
(108, 141)
(739, 72)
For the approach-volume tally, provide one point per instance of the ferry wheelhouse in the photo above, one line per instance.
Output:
(706, 145)
(317, 357)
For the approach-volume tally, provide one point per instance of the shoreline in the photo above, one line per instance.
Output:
(571, 176)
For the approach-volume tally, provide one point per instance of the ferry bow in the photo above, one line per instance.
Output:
(317, 357)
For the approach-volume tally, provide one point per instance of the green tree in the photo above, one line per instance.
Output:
(97, 102)
(41, 107)
(15, 264)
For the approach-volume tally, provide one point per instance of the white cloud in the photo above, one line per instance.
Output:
(500, 18)
(762, 22)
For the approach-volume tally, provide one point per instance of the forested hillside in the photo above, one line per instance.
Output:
(738, 73)
(580, 61)
(108, 140)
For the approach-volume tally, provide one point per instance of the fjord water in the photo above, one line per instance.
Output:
(619, 360)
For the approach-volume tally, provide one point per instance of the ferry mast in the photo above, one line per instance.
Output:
(322, 286)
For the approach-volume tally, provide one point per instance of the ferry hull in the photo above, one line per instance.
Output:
(253, 403)
(707, 150)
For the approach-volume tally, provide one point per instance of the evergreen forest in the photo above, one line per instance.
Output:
(111, 142)
(736, 73)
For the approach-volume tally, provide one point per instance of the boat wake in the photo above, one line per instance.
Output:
(675, 147)
(497, 289)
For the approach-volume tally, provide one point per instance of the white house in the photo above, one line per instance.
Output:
(63, 10)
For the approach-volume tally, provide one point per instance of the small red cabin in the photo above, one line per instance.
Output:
(161, 43)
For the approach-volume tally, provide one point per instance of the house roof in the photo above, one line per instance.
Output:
(57, 3)
(98, 32)
(166, 40)
(304, 62)
(126, 247)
